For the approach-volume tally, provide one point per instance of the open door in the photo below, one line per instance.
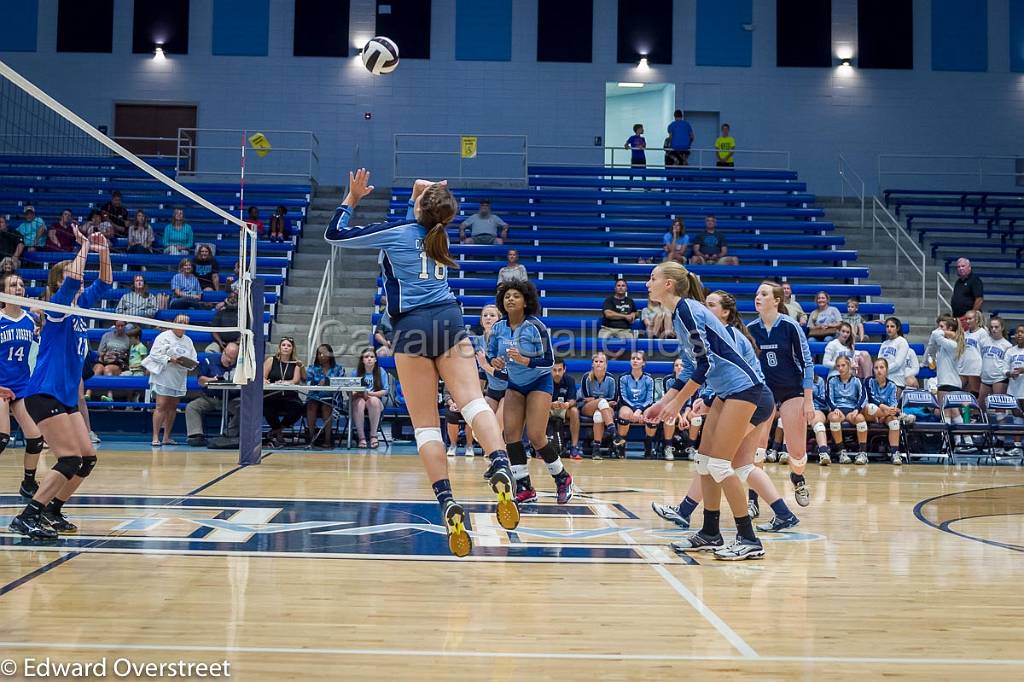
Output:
(626, 104)
(152, 129)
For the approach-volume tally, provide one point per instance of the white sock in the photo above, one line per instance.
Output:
(520, 471)
(555, 468)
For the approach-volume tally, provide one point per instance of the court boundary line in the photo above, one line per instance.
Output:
(446, 653)
(944, 525)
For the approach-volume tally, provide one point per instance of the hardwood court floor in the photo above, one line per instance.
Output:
(324, 566)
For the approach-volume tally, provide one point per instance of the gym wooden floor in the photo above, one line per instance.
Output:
(322, 566)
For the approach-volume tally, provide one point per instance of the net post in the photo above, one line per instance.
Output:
(250, 436)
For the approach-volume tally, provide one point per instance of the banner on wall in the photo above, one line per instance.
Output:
(260, 143)
(469, 146)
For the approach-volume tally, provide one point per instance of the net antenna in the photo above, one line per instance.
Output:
(25, 120)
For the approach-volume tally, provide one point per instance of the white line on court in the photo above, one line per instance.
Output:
(446, 653)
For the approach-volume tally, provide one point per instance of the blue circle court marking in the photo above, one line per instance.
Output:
(945, 525)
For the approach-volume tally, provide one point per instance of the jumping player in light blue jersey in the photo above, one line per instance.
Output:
(636, 394)
(430, 339)
(521, 345)
(52, 393)
(17, 333)
(743, 403)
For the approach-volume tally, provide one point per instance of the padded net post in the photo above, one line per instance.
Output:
(251, 412)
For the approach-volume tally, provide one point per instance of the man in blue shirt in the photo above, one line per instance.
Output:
(710, 247)
(214, 368)
(681, 138)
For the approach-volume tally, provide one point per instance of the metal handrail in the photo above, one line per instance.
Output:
(848, 176)
(896, 232)
(698, 151)
(976, 169)
(519, 143)
(322, 307)
(940, 281)
(188, 144)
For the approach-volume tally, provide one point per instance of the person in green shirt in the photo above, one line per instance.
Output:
(725, 144)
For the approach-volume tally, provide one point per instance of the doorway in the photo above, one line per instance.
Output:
(152, 129)
(627, 104)
(705, 131)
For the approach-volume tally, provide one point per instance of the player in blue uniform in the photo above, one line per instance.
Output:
(17, 332)
(521, 345)
(52, 393)
(819, 395)
(712, 356)
(882, 407)
(430, 338)
(636, 394)
(789, 372)
(846, 400)
(599, 398)
(496, 380)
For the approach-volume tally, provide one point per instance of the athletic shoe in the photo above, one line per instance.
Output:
(491, 468)
(576, 452)
(671, 513)
(502, 483)
(565, 489)
(34, 528)
(670, 453)
(28, 488)
(783, 457)
(897, 459)
(451, 450)
(779, 523)
(698, 542)
(753, 510)
(908, 418)
(740, 550)
(59, 522)
(619, 449)
(771, 456)
(691, 452)
(862, 458)
(844, 457)
(525, 494)
(802, 494)
(595, 451)
(196, 441)
(93, 437)
(459, 542)
(824, 459)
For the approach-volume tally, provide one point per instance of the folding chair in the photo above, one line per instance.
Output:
(924, 407)
(974, 426)
(1006, 420)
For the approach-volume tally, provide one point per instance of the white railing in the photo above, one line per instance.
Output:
(493, 158)
(942, 286)
(881, 217)
(950, 171)
(848, 177)
(294, 155)
(619, 157)
(322, 307)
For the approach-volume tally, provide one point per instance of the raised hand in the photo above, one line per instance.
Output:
(98, 242)
(358, 186)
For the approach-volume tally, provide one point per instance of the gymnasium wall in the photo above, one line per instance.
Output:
(815, 113)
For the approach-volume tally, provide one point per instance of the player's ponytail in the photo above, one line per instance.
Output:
(437, 208)
(686, 284)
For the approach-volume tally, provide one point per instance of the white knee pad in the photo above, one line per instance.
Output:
(835, 426)
(598, 417)
(720, 469)
(819, 428)
(697, 421)
(871, 409)
(424, 436)
(759, 455)
(862, 427)
(474, 409)
(744, 471)
(602, 404)
(778, 422)
(702, 464)
(893, 424)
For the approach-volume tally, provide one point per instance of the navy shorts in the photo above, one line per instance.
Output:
(42, 406)
(782, 394)
(759, 396)
(430, 331)
(543, 383)
(497, 395)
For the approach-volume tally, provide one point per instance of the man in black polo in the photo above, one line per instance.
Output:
(617, 316)
(968, 290)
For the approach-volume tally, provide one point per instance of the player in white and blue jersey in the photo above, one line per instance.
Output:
(17, 333)
(599, 397)
(521, 345)
(51, 397)
(788, 369)
(430, 339)
(882, 406)
(712, 356)
(636, 394)
(846, 401)
(819, 397)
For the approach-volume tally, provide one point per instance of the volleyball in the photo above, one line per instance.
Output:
(380, 55)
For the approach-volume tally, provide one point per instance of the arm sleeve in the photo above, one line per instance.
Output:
(621, 390)
(648, 390)
(547, 357)
(828, 394)
(410, 213)
(491, 351)
(862, 398)
(573, 394)
(93, 294)
(899, 361)
(340, 234)
(802, 351)
(584, 390)
(831, 353)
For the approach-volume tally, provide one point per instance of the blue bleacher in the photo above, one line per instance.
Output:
(557, 286)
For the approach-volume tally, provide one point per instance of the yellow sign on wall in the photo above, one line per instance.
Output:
(260, 143)
(469, 146)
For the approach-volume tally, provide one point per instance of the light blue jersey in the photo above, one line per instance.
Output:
(819, 394)
(846, 396)
(16, 337)
(412, 279)
(532, 339)
(877, 395)
(63, 345)
(711, 354)
(636, 393)
(497, 381)
(592, 388)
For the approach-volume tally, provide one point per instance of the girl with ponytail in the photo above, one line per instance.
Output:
(430, 338)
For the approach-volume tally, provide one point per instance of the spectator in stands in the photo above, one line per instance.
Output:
(232, 280)
(206, 268)
(483, 227)
(137, 352)
(320, 404)
(618, 314)
(8, 266)
(188, 293)
(712, 248)
(636, 144)
(670, 156)
(790, 305)
(61, 235)
(117, 214)
(384, 332)
(844, 346)
(968, 290)
(675, 242)
(97, 223)
(657, 321)
(854, 319)
(254, 220)
(112, 354)
(214, 368)
(280, 227)
(32, 229)
(139, 301)
(725, 144)
(513, 271)
(140, 235)
(178, 239)
(282, 408)
(900, 358)
(169, 362)
(225, 315)
(682, 138)
(565, 405)
(371, 401)
(824, 320)
(11, 244)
